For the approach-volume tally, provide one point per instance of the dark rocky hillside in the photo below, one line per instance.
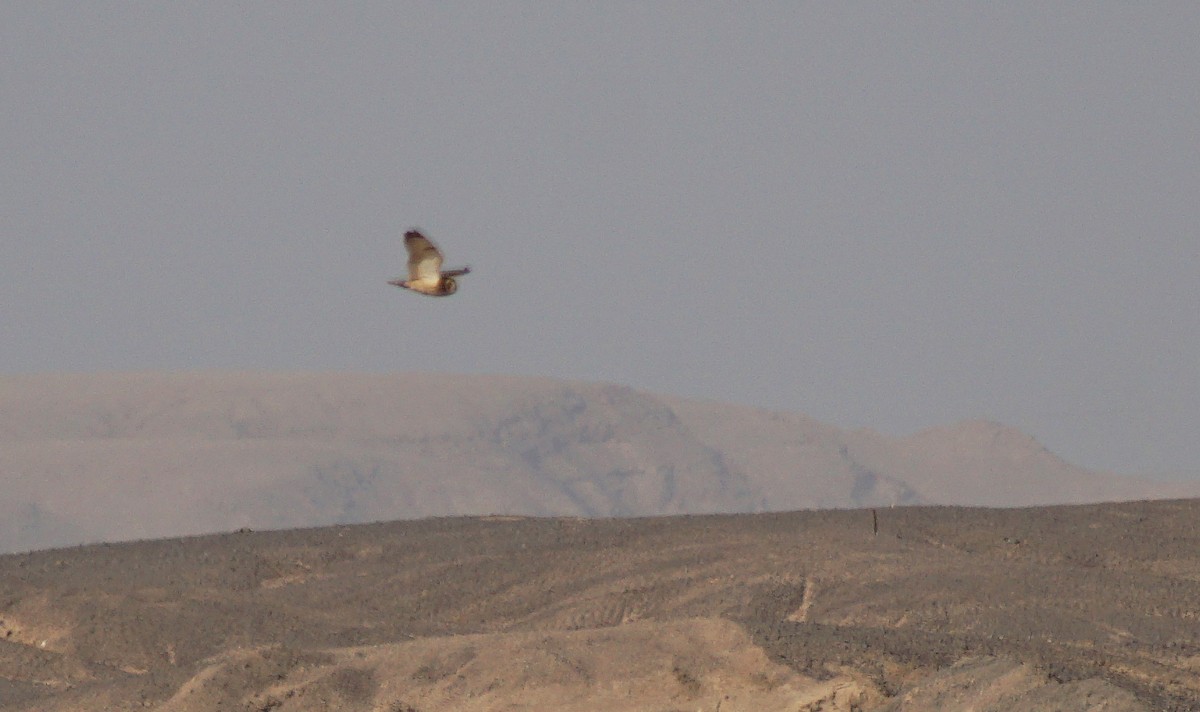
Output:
(1061, 608)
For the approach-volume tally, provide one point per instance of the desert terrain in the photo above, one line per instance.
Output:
(1093, 607)
(110, 456)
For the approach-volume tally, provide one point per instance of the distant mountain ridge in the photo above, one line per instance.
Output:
(97, 457)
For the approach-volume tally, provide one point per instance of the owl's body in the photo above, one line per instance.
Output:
(425, 274)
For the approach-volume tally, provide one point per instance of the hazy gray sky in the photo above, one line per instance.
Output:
(891, 215)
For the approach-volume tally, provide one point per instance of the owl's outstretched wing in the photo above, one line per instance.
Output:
(424, 259)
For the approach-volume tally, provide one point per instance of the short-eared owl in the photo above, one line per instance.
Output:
(425, 273)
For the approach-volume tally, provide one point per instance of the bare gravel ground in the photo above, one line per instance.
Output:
(1061, 608)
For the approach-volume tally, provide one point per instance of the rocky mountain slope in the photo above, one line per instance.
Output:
(101, 457)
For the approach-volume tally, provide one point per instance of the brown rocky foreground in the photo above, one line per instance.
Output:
(1064, 608)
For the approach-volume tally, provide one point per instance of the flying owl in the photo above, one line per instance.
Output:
(425, 273)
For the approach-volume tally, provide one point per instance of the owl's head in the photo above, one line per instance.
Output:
(449, 286)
